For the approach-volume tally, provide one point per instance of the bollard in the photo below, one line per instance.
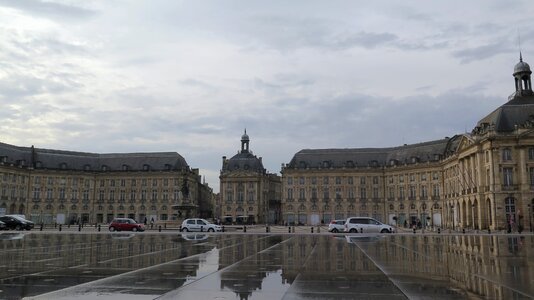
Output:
(59, 227)
(79, 227)
(159, 229)
(289, 229)
(201, 228)
(414, 230)
(312, 229)
(361, 230)
(489, 231)
(165, 225)
(223, 229)
(266, 228)
(439, 230)
(41, 229)
(98, 227)
(68, 226)
(463, 230)
(244, 228)
(55, 225)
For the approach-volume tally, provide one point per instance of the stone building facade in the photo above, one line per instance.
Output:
(65, 187)
(248, 193)
(478, 180)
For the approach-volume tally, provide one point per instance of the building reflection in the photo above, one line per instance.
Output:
(462, 266)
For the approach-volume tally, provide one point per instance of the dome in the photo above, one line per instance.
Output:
(522, 67)
(244, 137)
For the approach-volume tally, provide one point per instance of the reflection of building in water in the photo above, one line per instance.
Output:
(492, 267)
(52, 186)
(478, 180)
(255, 264)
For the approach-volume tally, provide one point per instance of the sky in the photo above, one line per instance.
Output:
(189, 76)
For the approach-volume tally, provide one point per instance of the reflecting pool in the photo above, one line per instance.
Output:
(263, 266)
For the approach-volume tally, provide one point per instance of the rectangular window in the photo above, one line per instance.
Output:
(112, 182)
(435, 175)
(338, 180)
(424, 193)
(123, 182)
(36, 193)
(363, 193)
(375, 193)
(423, 176)
(289, 180)
(301, 180)
(154, 182)
(507, 176)
(49, 194)
(326, 194)
(401, 178)
(506, 154)
(166, 182)
(362, 180)
(290, 194)
(314, 193)
(435, 190)
(101, 196)
(62, 194)
(134, 182)
(338, 193)
(531, 173)
(531, 153)
(85, 195)
(314, 180)
(302, 194)
(325, 180)
(102, 182)
(351, 192)
(391, 193)
(401, 192)
(350, 180)
(375, 180)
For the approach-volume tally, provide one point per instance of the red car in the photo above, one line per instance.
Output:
(125, 224)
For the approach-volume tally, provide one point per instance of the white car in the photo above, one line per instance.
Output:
(336, 226)
(366, 225)
(199, 225)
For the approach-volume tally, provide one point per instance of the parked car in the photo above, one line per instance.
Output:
(125, 224)
(366, 225)
(17, 222)
(336, 226)
(3, 226)
(199, 225)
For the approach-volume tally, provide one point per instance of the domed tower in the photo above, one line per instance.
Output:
(244, 142)
(523, 84)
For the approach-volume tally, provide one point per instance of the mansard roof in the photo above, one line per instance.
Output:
(71, 160)
(373, 157)
(244, 161)
(518, 111)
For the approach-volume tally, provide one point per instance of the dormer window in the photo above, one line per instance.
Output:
(38, 164)
(104, 168)
(125, 167)
(326, 164)
(3, 159)
(350, 164)
(392, 162)
(146, 167)
(302, 164)
(168, 167)
(414, 159)
(63, 166)
(87, 167)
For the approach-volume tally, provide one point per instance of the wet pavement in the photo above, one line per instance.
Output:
(170, 265)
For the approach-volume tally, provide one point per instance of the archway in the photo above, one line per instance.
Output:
(475, 215)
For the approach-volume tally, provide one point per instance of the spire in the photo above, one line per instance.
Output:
(520, 60)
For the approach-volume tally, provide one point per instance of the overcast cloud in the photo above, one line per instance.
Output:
(189, 76)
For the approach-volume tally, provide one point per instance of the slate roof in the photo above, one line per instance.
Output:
(246, 161)
(517, 111)
(374, 157)
(70, 160)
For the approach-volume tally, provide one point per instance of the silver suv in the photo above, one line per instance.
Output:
(366, 225)
(199, 225)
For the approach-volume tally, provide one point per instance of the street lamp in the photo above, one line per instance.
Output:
(530, 217)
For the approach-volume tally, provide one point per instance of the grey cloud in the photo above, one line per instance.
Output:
(49, 9)
(482, 52)
(365, 40)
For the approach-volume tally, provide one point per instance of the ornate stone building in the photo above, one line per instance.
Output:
(248, 193)
(55, 186)
(478, 180)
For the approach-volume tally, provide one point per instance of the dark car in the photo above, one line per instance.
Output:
(16, 222)
(125, 224)
(2, 226)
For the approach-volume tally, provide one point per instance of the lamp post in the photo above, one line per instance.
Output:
(530, 217)
(473, 215)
